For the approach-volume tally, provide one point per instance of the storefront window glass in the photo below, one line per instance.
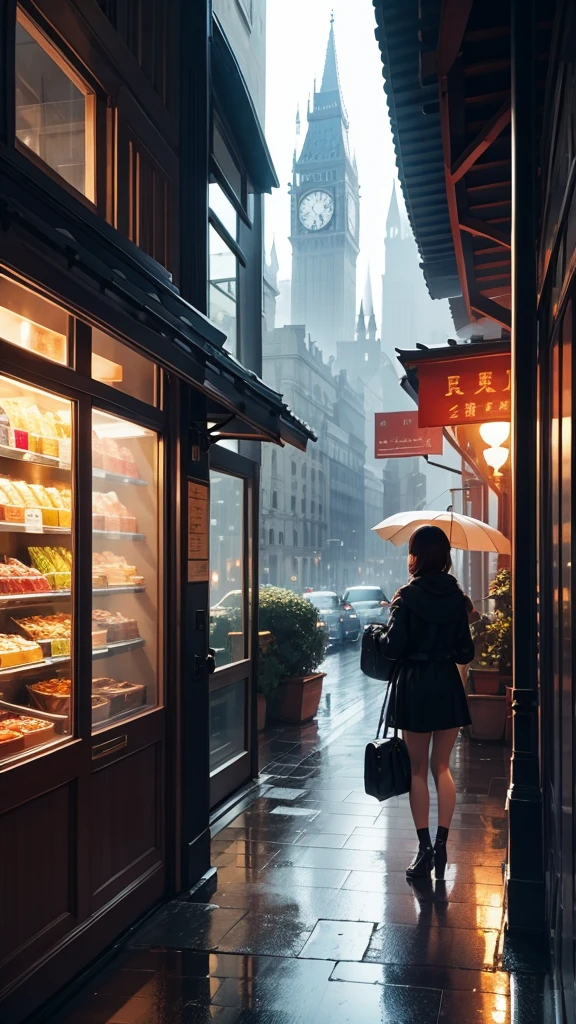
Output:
(222, 208)
(32, 323)
(227, 591)
(36, 611)
(54, 109)
(122, 368)
(125, 572)
(222, 297)
(227, 728)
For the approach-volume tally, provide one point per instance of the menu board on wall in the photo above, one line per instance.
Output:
(198, 511)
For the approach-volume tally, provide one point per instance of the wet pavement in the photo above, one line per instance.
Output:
(313, 921)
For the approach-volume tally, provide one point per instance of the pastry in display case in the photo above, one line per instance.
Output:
(36, 617)
(125, 522)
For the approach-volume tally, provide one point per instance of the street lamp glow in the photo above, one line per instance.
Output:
(496, 457)
(494, 434)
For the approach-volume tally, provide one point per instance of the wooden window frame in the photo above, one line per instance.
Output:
(90, 114)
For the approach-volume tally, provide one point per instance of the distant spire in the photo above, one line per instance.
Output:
(361, 324)
(298, 119)
(372, 329)
(393, 222)
(274, 265)
(330, 80)
(368, 300)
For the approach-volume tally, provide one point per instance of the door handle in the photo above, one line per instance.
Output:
(207, 664)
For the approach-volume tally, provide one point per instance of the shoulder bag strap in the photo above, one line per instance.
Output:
(383, 711)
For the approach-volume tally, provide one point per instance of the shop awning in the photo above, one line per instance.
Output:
(447, 80)
(122, 287)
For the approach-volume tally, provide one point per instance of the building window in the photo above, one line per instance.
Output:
(312, 507)
(293, 503)
(295, 538)
(54, 109)
(293, 469)
(313, 475)
(274, 499)
(274, 463)
(222, 208)
(223, 289)
(270, 536)
(303, 504)
(304, 470)
(280, 538)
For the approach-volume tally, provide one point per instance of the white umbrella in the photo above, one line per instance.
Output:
(462, 531)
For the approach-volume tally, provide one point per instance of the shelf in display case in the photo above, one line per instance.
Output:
(47, 596)
(22, 528)
(118, 648)
(111, 535)
(117, 478)
(32, 458)
(107, 651)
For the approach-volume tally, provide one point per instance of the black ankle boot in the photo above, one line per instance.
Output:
(421, 866)
(440, 855)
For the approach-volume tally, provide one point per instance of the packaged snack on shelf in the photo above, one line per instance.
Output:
(16, 650)
(108, 509)
(55, 563)
(122, 696)
(118, 627)
(16, 578)
(52, 632)
(107, 454)
(11, 742)
(117, 570)
(32, 730)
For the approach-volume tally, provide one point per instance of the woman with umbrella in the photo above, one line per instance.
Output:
(429, 636)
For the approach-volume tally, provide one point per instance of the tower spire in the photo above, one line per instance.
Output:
(361, 324)
(393, 222)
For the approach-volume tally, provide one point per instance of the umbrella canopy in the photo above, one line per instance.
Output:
(462, 531)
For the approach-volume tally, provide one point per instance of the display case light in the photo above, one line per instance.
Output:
(23, 332)
(117, 429)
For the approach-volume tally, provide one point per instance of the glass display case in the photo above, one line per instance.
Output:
(36, 550)
(125, 577)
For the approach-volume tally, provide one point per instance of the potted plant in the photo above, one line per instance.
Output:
(292, 658)
(492, 665)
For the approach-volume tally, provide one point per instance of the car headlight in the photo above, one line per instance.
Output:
(320, 624)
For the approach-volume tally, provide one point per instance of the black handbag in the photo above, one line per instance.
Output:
(372, 662)
(387, 769)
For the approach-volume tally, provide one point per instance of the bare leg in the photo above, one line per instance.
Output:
(442, 743)
(418, 744)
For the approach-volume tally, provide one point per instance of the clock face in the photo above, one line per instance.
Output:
(351, 211)
(316, 210)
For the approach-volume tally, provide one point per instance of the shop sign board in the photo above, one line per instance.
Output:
(198, 514)
(469, 389)
(398, 435)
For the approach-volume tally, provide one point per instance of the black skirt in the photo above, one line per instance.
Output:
(429, 696)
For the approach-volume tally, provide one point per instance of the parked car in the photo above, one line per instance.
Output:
(341, 623)
(369, 603)
(231, 602)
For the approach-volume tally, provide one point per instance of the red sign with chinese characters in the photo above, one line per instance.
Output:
(472, 389)
(398, 435)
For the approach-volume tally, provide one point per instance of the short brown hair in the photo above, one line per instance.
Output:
(429, 551)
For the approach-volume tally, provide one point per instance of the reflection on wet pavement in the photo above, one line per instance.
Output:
(313, 920)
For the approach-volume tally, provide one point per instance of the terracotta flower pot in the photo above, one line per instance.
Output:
(487, 681)
(488, 714)
(261, 707)
(301, 697)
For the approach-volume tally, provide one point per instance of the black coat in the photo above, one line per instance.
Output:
(428, 636)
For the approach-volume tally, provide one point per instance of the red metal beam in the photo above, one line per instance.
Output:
(483, 229)
(482, 142)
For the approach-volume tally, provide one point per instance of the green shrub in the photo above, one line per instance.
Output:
(493, 634)
(298, 645)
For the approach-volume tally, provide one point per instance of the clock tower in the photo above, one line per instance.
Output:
(325, 218)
